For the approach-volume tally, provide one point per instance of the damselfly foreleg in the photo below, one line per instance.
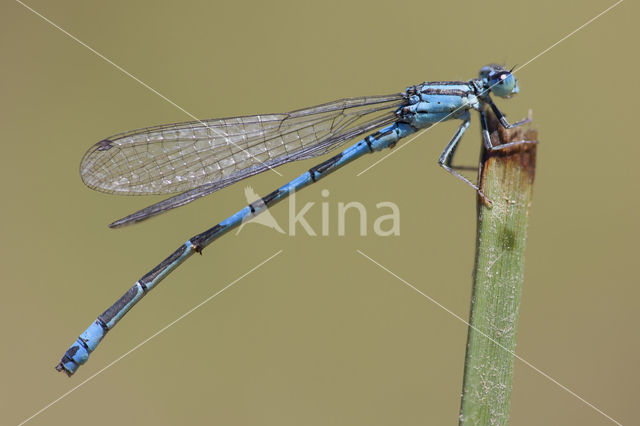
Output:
(486, 138)
(502, 118)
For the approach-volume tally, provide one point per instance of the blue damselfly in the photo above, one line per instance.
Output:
(197, 158)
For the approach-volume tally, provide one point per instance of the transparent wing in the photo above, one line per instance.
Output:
(203, 157)
(177, 157)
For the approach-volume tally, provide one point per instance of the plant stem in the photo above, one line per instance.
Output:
(506, 177)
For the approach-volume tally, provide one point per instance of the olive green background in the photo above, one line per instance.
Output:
(319, 335)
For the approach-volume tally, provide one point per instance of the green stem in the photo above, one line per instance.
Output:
(507, 179)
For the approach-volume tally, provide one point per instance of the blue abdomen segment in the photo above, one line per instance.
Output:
(79, 352)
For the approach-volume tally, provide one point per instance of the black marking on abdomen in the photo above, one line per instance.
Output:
(368, 140)
(117, 307)
(72, 351)
(205, 236)
(324, 166)
(102, 324)
(269, 198)
(151, 275)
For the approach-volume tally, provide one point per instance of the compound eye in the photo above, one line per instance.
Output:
(503, 84)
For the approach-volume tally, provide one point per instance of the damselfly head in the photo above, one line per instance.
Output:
(499, 80)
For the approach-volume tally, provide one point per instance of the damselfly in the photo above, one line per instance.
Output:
(197, 158)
